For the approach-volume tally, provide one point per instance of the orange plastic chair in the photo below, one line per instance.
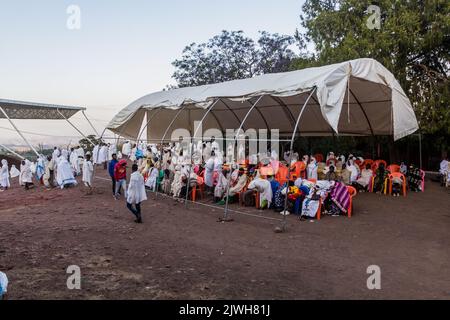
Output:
(200, 187)
(393, 168)
(281, 175)
(365, 163)
(353, 192)
(377, 163)
(299, 170)
(397, 175)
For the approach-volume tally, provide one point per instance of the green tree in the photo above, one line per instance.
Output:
(86, 145)
(413, 43)
(230, 56)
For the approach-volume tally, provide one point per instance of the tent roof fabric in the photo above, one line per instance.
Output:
(357, 97)
(40, 111)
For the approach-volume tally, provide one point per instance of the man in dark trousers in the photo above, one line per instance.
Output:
(111, 166)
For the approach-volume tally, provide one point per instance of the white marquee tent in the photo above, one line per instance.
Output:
(357, 97)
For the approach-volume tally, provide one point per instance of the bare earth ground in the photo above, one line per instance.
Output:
(187, 254)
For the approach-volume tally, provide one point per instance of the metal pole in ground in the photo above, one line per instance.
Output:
(294, 133)
(192, 149)
(225, 216)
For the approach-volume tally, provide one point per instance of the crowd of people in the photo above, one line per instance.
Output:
(292, 185)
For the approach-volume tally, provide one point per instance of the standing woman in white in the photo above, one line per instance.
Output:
(136, 193)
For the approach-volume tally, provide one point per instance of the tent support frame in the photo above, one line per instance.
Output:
(146, 125)
(294, 134)
(238, 132)
(78, 130)
(12, 151)
(18, 131)
(192, 149)
(164, 137)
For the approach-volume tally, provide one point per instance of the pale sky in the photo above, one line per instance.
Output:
(123, 50)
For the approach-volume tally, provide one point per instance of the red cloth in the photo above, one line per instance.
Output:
(120, 170)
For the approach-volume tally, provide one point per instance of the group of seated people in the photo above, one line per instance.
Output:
(300, 187)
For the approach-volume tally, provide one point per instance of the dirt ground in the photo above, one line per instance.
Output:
(188, 254)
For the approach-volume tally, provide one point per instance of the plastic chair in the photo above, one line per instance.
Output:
(200, 187)
(397, 175)
(365, 163)
(281, 175)
(377, 163)
(299, 170)
(393, 168)
(353, 192)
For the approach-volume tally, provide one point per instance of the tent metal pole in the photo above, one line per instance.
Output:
(192, 149)
(10, 150)
(290, 156)
(146, 125)
(420, 151)
(227, 200)
(90, 123)
(163, 139)
(82, 134)
(18, 131)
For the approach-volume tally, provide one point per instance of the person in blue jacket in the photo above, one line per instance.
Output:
(111, 166)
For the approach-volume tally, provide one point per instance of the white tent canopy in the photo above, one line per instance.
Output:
(357, 97)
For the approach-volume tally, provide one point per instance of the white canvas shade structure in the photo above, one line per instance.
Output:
(358, 97)
(21, 110)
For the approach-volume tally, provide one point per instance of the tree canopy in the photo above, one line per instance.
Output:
(413, 42)
(232, 55)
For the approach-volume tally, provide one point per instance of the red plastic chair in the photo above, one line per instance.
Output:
(397, 175)
(353, 192)
(200, 187)
(365, 163)
(299, 170)
(377, 163)
(393, 168)
(319, 157)
(281, 175)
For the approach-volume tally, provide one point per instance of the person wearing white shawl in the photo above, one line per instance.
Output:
(26, 176)
(221, 186)
(49, 175)
(64, 174)
(209, 171)
(3, 285)
(136, 193)
(103, 155)
(363, 182)
(74, 162)
(14, 172)
(40, 167)
(177, 183)
(126, 149)
(311, 170)
(152, 178)
(112, 149)
(353, 170)
(56, 153)
(88, 172)
(262, 186)
(4, 176)
(96, 155)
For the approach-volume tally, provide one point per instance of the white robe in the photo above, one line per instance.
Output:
(96, 155)
(111, 150)
(152, 179)
(26, 176)
(56, 154)
(311, 171)
(88, 173)
(74, 162)
(264, 188)
(126, 149)
(366, 176)
(136, 189)
(103, 155)
(221, 187)
(14, 172)
(209, 172)
(4, 175)
(64, 174)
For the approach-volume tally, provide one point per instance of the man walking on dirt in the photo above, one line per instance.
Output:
(111, 166)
